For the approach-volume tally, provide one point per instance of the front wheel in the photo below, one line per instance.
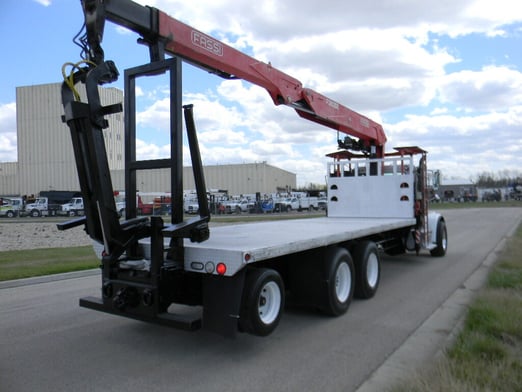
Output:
(263, 302)
(442, 240)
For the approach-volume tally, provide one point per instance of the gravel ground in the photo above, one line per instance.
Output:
(34, 235)
(15, 234)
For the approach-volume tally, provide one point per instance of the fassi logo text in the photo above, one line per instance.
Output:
(207, 43)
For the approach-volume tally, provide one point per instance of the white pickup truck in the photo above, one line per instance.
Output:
(238, 206)
(286, 204)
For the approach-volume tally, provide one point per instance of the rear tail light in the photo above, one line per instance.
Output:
(221, 268)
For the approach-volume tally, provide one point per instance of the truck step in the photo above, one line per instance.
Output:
(187, 322)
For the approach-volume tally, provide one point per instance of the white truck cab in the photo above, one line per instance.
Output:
(73, 208)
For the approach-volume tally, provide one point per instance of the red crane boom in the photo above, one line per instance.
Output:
(165, 34)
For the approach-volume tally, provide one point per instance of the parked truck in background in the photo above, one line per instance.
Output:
(235, 278)
(119, 202)
(48, 203)
(238, 206)
(10, 206)
(309, 203)
(40, 207)
(158, 206)
(73, 208)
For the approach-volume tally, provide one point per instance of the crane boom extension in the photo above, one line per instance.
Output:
(162, 33)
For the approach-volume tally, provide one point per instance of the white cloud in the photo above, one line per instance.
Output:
(156, 115)
(466, 145)
(277, 20)
(123, 30)
(145, 150)
(8, 149)
(45, 3)
(499, 12)
(491, 88)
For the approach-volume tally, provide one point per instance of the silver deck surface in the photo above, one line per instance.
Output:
(263, 240)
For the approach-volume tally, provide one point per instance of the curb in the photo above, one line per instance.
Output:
(436, 334)
(48, 278)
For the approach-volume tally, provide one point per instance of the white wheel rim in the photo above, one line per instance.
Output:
(269, 302)
(372, 270)
(444, 241)
(343, 282)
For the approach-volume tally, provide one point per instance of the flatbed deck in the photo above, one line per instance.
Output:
(265, 240)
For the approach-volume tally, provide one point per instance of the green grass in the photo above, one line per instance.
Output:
(36, 262)
(487, 354)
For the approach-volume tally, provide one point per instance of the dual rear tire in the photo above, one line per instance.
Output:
(339, 287)
(347, 278)
(367, 269)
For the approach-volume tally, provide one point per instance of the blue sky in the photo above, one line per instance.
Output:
(442, 75)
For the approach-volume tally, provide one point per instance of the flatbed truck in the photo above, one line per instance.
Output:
(235, 278)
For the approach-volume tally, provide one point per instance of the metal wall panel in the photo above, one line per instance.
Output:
(46, 159)
(9, 179)
(236, 179)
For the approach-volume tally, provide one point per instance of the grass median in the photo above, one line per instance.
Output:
(19, 264)
(487, 354)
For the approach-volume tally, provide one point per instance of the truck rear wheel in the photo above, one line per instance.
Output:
(442, 240)
(339, 286)
(35, 213)
(263, 301)
(367, 269)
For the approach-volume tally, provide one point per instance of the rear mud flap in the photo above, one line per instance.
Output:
(222, 303)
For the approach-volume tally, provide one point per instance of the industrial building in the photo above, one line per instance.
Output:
(46, 159)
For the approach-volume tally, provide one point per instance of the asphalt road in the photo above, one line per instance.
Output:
(48, 343)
